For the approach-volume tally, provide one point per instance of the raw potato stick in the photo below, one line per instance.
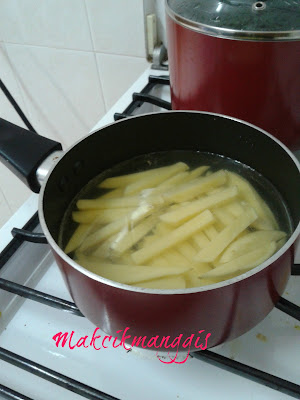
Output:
(104, 250)
(159, 262)
(126, 222)
(249, 242)
(124, 180)
(244, 262)
(112, 194)
(77, 238)
(195, 173)
(183, 213)
(265, 218)
(122, 202)
(200, 240)
(102, 216)
(195, 188)
(175, 258)
(210, 232)
(129, 238)
(192, 278)
(223, 216)
(201, 268)
(171, 239)
(174, 180)
(183, 177)
(162, 229)
(187, 250)
(226, 236)
(155, 179)
(235, 208)
(129, 273)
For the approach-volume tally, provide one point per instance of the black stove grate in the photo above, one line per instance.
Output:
(53, 376)
(88, 392)
(144, 97)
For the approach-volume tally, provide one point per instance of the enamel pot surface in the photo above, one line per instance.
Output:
(225, 310)
(238, 58)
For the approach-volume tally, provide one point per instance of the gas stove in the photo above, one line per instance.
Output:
(35, 306)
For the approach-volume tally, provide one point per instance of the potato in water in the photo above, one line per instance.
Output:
(181, 225)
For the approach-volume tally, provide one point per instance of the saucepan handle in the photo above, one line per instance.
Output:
(23, 151)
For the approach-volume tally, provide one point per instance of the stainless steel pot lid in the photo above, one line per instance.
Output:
(270, 20)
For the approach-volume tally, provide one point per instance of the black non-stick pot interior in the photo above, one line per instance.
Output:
(164, 132)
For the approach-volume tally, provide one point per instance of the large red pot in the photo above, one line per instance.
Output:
(238, 58)
(225, 310)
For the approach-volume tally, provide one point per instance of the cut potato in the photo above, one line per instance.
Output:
(126, 223)
(171, 239)
(200, 240)
(173, 257)
(182, 177)
(155, 178)
(198, 171)
(223, 216)
(174, 180)
(201, 268)
(102, 216)
(244, 262)
(171, 228)
(187, 250)
(235, 208)
(77, 238)
(193, 277)
(129, 273)
(159, 261)
(225, 237)
(170, 282)
(112, 194)
(210, 232)
(195, 188)
(122, 202)
(129, 237)
(162, 229)
(249, 242)
(265, 218)
(104, 251)
(124, 180)
(183, 213)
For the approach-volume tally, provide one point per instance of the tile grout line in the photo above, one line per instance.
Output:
(95, 58)
(73, 49)
(6, 201)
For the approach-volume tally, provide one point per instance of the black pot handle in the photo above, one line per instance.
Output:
(23, 151)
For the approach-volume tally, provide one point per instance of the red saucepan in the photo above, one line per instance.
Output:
(227, 309)
(238, 58)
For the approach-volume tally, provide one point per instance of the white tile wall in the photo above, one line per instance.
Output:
(51, 23)
(124, 18)
(109, 70)
(5, 210)
(66, 62)
(61, 89)
(8, 76)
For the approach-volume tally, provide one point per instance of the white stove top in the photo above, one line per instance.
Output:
(27, 328)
